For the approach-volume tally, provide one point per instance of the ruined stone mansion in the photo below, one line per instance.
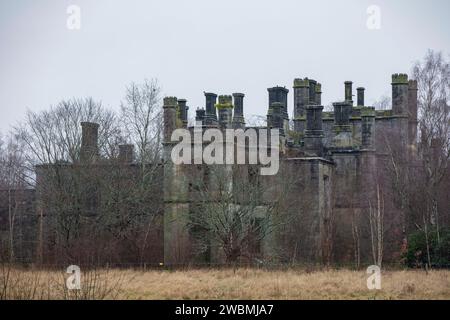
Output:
(333, 168)
(335, 161)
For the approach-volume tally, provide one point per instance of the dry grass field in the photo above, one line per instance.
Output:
(228, 284)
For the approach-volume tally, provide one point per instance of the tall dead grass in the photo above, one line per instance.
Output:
(292, 284)
(33, 284)
(242, 283)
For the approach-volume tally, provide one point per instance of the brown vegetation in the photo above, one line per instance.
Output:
(239, 284)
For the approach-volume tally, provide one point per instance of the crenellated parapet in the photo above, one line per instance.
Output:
(399, 78)
(225, 101)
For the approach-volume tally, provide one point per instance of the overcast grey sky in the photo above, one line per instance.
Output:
(207, 45)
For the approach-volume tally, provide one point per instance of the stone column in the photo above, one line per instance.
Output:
(238, 116)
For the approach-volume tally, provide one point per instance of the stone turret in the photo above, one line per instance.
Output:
(210, 115)
(89, 141)
(183, 112)
(349, 91)
(400, 94)
(225, 110)
(360, 96)
(238, 116)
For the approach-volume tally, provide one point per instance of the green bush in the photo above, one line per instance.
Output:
(416, 255)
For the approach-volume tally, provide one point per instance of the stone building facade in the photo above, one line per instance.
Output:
(332, 168)
(337, 161)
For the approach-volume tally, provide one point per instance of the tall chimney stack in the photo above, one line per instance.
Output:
(279, 94)
(200, 116)
(238, 116)
(360, 96)
(400, 87)
(210, 114)
(183, 112)
(170, 117)
(312, 91)
(348, 91)
(275, 117)
(225, 110)
(318, 94)
(89, 141)
(314, 132)
(301, 97)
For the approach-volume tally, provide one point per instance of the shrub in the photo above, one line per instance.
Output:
(416, 255)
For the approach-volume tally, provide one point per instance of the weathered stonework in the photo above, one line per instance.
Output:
(336, 158)
(332, 162)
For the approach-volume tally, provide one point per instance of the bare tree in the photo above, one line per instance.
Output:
(12, 181)
(376, 215)
(54, 135)
(141, 114)
(384, 103)
(234, 212)
(51, 141)
(433, 79)
(142, 119)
